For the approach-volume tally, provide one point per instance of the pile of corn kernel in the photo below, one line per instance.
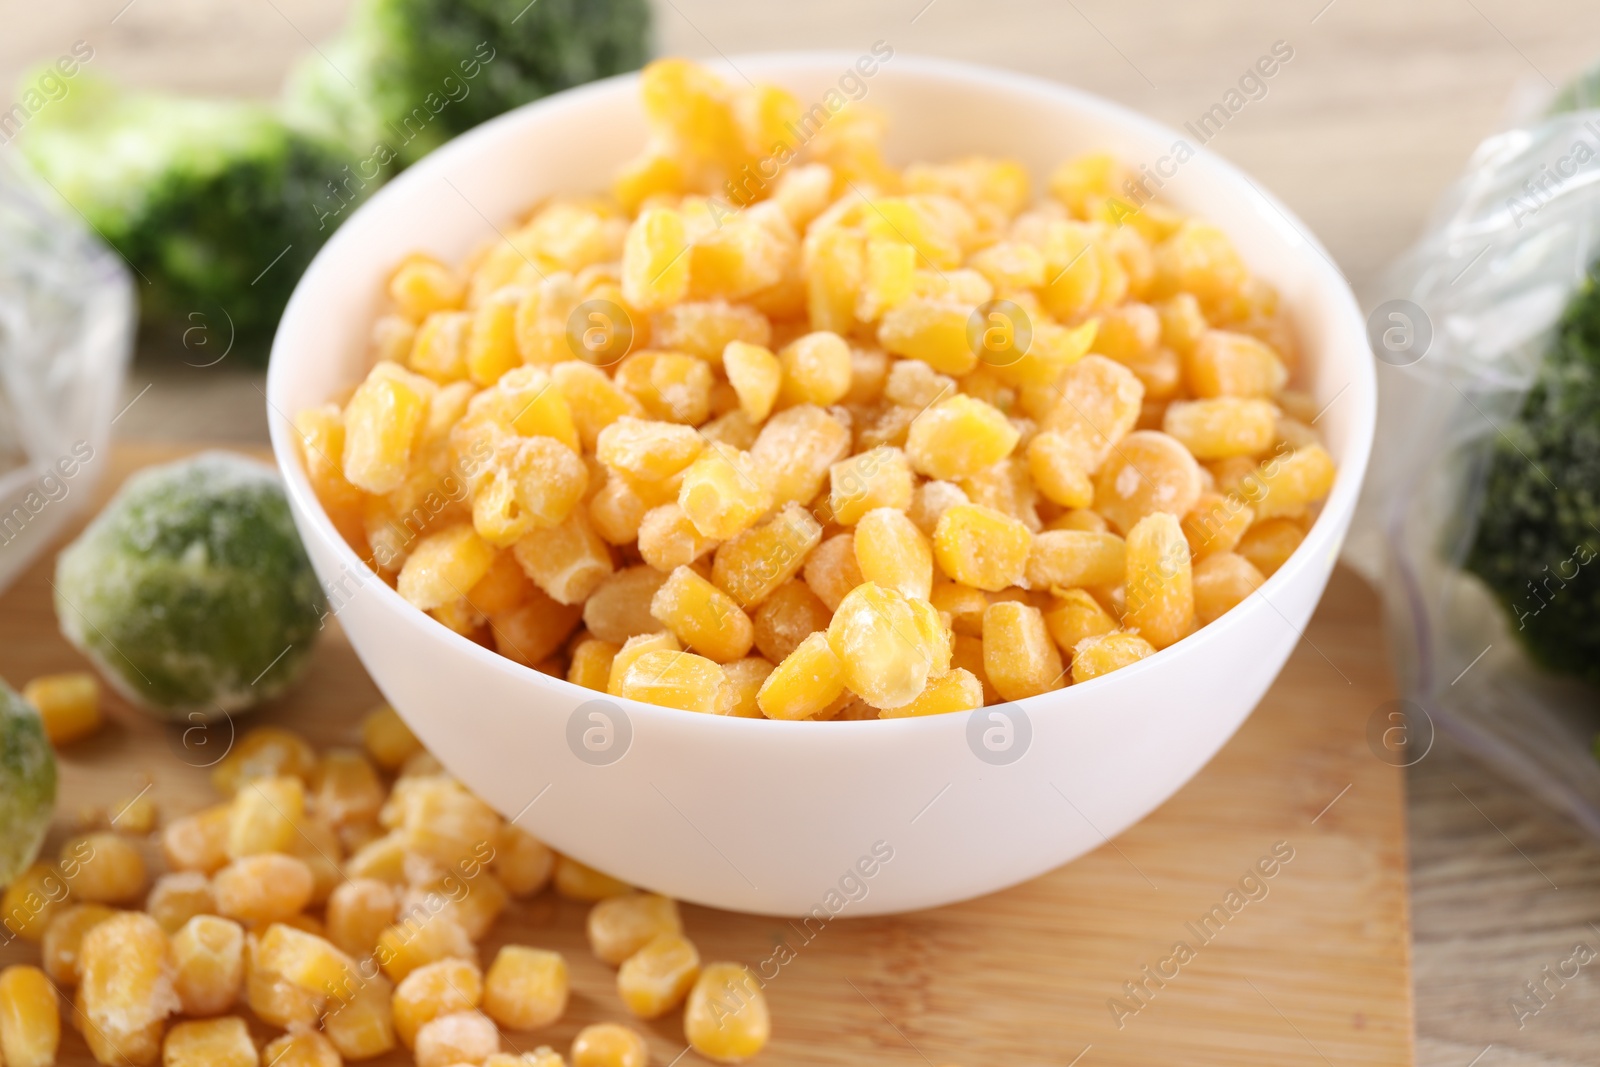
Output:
(852, 442)
(341, 906)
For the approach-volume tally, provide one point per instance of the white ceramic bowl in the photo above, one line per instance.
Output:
(784, 817)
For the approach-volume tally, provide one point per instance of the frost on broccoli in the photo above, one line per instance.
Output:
(27, 784)
(1539, 532)
(410, 74)
(191, 590)
(218, 205)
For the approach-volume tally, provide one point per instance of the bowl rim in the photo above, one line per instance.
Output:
(1076, 697)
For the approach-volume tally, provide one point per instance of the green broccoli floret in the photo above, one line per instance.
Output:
(1539, 532)
(27, 784)
(410, 74)
(218, 205)
(191, 590)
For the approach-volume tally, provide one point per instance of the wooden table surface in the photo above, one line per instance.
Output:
(1376, 112)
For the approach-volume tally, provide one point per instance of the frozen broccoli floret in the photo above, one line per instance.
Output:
(191, 590)
(27, 784)
(1539, 531)
(410, 74)
(218, 205)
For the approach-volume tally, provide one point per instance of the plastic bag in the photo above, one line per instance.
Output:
(1465, 325)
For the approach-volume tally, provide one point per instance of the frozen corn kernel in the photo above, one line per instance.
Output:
(648, 450)
(930, 500)
(741, 687)
(30, 1018)
(388, 740)
(706, 328)
(358, 912)
(726, 1018)
(656, 978)
(756, 375)
(34, 898)
(1094, 656)
(360, 1023)
(620, 926)
(1006, 487)
(134, 815)
(382, 858)
(269, 887)
(655, 260)
(956, 690)
(723, 494)
(805, 683)
(1019, 656)
(490, 346)
(525, 988)
(702, 616)
(790, 614)
(462, 1037)
(568, 561)
(1097, 406)
(68, 705)
(931, 329)
(959, 436)
(209, 1043)
(1269, 544)
(198, 842)
(888, 266)
(1221, 581)
(754, 563)
(795, 449)
(675, 680)
(885, 425)
(593, 399)
(444, 821)
(816, 369)
(1287, 485)
(609, 1045)
(669, 385)
(265, 817)
(547, 480)
(264, 752)
(877, 478)
(126, 992)
(964, 604)
(522, 862)
(579, 881)
(1223, 427)
(1226, 364)
(178, 897)
(590, 664)
(1200, 259)
(981, 547)
(534, 629)
(444, 565)
(893, 553)
(419, 938)
(617, 509)
(305, 1049)
(1148, 472)
(1216, 523)
(1160, 587)
(381, 424)
(744, 256)
(62, 944)
(440, 988)
(1075, 616)
(440, 348)
(345, 787)
(276, 1001)
(1069, 559)
(835, 273)
(885, 646)
(1010, 265)
(103, 868)
(422, 285)
(1058, 468)
(633, 650)
(305, 959)
(913, 383)
(667, 538)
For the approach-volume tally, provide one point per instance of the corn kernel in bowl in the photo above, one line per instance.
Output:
(772, 394)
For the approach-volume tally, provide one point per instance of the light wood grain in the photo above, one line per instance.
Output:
(1314, 971)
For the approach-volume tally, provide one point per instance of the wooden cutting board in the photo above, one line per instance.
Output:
(1310, 966)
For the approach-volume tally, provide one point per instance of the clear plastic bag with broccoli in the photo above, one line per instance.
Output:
(1480, 522)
